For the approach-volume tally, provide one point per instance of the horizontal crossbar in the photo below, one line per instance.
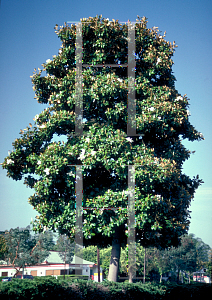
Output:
(106, 65)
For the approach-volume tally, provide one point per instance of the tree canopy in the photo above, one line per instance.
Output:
(104, 150)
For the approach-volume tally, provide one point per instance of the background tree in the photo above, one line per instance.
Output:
(184, 257)
(24, 249)
(203, 253)
(90, 253)
(3, 247)
(209, 265)
(163, 193)
(139, 255)
(157, 262)
(46, 239)
(65, 248)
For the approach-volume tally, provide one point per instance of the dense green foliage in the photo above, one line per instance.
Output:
(48, 288)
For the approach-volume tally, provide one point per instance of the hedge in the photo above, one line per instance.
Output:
(50, 288)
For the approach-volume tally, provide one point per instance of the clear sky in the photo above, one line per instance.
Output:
(28, 40)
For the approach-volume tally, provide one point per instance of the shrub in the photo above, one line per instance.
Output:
(50, 288)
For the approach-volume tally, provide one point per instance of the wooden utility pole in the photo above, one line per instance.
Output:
(98, 264)
(64, 264)
(144, 265)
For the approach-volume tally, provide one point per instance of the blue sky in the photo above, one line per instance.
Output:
(28, 40)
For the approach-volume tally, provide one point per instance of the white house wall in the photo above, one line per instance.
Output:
(41, 270)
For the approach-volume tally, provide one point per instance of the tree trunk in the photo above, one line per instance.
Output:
(115, 256)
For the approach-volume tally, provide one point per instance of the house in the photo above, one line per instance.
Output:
(54, 266)
(201, 276)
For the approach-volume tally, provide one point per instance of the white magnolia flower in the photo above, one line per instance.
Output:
(179, 98)
(158, 61)
(188, 112)
(10, 161)
(39, 162)
(82, 155)
(119, 79)
(48, 61)
(156, 160)
(47, 171)
(36, 117)
(93, 152)
(87, 139)
(159, 118)
(129, 139)
(152, 108)
(41, 126)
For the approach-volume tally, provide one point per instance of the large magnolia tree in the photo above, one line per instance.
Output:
(104, 150)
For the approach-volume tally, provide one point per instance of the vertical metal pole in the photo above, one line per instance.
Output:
(78, 82)
(78, 230)
(78, 132)
(131, 107)
(131, 223)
